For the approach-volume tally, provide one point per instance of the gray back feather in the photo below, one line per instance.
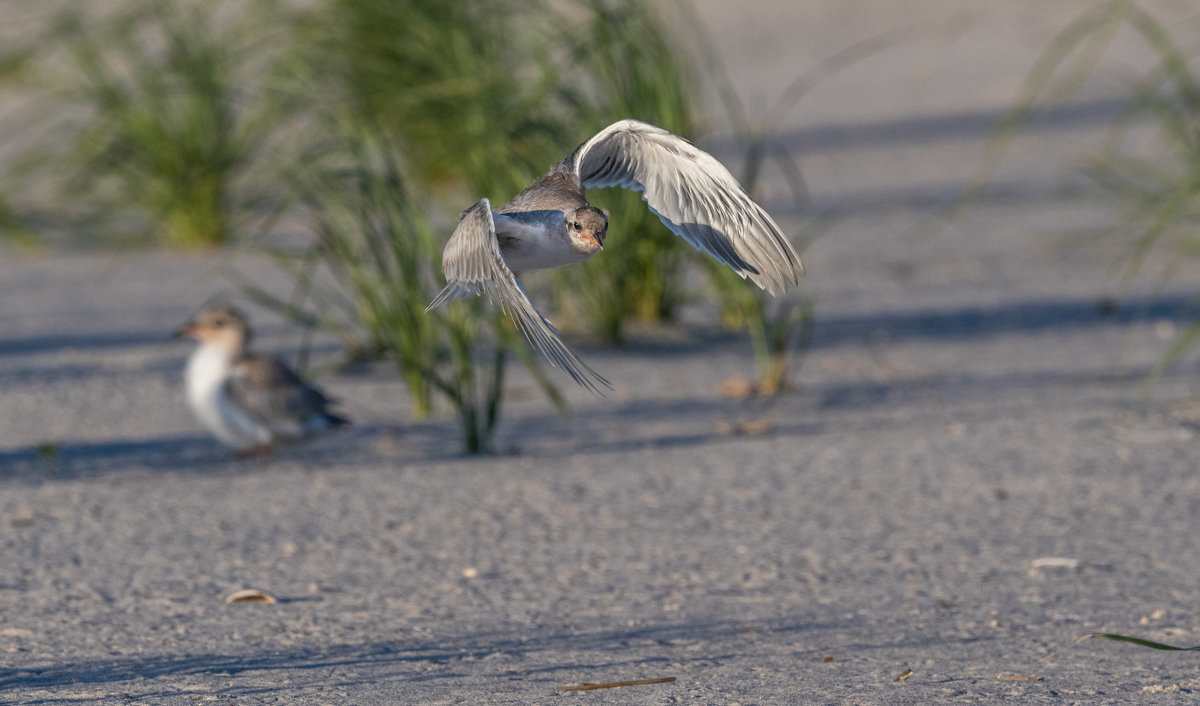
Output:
(274, 395)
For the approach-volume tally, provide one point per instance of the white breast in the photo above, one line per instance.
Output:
(542, 244)
(207, 371)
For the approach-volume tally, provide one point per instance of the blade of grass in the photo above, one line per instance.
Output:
(1143, 642)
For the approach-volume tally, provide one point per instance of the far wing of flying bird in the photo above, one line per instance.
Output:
(472, 263)
(694, 195)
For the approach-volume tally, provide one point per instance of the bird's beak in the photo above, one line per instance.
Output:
(184, 331)
(599, 243)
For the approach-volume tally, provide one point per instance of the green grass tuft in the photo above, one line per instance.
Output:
(167, 134)
(1144, 643)
(1158, 188)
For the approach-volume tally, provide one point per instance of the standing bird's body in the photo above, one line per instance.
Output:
(550, 224)
(249, 402)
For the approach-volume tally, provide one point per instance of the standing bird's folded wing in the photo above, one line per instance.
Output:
(694, 195)
(472, 263)
(277, 398)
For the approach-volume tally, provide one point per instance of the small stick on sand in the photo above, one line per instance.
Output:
(615, 684)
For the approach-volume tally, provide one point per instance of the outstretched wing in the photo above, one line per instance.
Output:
(472, 263)
(694, 195)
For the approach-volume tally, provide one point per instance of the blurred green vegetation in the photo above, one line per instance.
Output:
(377, 243)
(484, 97)
(626, 66)
(343, 137)
(467, 90)
(1154, 174)
(163, 121)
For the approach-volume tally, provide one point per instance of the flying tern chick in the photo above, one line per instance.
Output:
(551, 223)
(249, 402)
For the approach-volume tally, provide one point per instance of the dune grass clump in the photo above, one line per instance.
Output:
(433, 105)
(780, 331)
(167, 129)
(411, 129)
(482, 98)
(376, 239)
(466, 91)
(624, 64)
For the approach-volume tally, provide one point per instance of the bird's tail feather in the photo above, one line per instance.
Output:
(452, 291)
(334, 420)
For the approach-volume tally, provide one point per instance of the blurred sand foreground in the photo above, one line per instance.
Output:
(968, 481)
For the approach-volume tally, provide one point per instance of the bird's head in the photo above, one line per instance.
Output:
(222, 326)
(588, 226)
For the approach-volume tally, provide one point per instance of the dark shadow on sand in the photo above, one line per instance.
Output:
(940, 127)
(56, 461)
(198, 453)
(843, 408)
(87, 341)
(1021, 317)
(409, 660)
(434, 441)
(971, 126)
(967, 322)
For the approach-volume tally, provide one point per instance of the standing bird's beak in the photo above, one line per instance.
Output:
(184, 331)
(593, 239)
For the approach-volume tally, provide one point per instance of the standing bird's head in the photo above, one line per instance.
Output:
(224, 326)
(588, 226)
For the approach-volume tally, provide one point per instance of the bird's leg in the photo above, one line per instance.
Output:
(262, 452)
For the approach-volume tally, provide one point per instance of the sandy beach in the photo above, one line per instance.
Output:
(970, 476)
